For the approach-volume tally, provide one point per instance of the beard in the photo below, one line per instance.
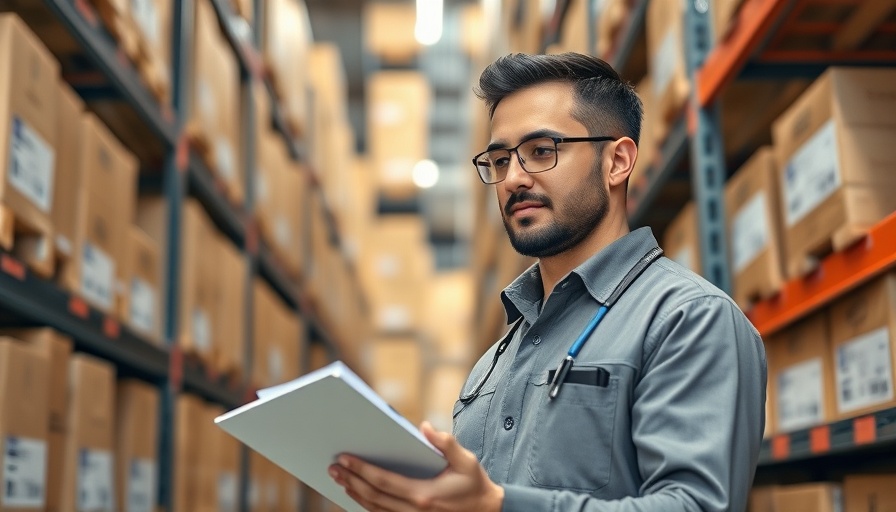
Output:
(578, 215)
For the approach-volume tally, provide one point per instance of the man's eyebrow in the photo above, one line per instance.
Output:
(499, 144)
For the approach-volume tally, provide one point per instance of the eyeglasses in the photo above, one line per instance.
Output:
(535, 155)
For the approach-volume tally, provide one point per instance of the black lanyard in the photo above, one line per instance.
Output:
(576, 347)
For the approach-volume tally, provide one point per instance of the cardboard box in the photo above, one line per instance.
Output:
(753, 223)
(762, 499)
(290, 492)
(57, 348)
(208, 458)
(389, 31)
(801, 374)
(443, 386)
(106, 188)
(24, 409)
(55, 470)
(230, 314)
(229, 460)
(610, 22)
(89, 472)
(396, 373)
(198, 282)
(67, 178)
(137, 445)
(816, 497)
(523, 21)
(863, 339)
(152, 21)
(28, 142)
(834, 149)
(277, 337)
(647, 144)
(681, 241)
(286, 39)
(724, 13)
(258, 469)
(665, 48)
(145, 282)
(451, 329)
(188, 430)
(870, 493)
(397, 128)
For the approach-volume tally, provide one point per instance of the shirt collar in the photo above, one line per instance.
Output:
(600, 274)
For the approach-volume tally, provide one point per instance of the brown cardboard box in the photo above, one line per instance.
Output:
(802, 375)
(819, 497)
(89, 481)
(28, 101)
(665, 47)
(396, 370)
(198, 281)
(647, 145)
(287, 36)
(277, 334)
(229, 453)
(105, 207)
(389, 31)
(450, 329)
(762, 499)
(681, 240)
(869, 493)
(290, 492)
(753, 222)
(188, 430)
(574, 33)
(443, 386)
(67, 177)
(55, 470)
(863, 339)
(398, 128)
(833, 148)
(723, 15)
(610, 22)
(523, 21)
(208, 459)
(24, 409)
(57, 348)
(137, 445)
(230, 313)
(152, 21)
(258, 469)
(145, 297)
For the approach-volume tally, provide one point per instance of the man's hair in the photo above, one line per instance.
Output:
(605, 104)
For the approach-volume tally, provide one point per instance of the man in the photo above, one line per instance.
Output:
(660, 407)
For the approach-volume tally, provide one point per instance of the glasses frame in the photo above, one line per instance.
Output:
(515, 149)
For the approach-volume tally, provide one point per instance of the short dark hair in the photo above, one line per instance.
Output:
(607, 105)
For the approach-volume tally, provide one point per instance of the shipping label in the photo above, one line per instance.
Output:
(95, 481)
(142, 486)
(228, 492)
(97, 276)
(812, 174)
(143, 305)
(31, 162)
(147, 17)
(394, 317)
(801, 396)
(749, 232)
(201, 330)
(225, 159)
(24, 473)
(275, 365)
(664, 61)
(864, 371)
(282, 232)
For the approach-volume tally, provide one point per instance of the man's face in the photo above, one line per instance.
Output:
(547, 213)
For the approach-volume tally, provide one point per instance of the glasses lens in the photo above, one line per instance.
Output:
(538, 155)
(492, 165)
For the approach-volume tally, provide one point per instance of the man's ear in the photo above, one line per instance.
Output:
(625, 152)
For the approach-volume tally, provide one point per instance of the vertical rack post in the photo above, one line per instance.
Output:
(707, 151)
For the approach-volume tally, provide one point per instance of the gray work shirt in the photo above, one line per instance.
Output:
(677, 428)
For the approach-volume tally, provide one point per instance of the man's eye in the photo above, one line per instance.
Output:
(543, 151)
(502, 162)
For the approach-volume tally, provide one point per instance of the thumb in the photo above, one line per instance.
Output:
(446, 443)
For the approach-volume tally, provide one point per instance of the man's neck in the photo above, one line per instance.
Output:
(555, 268)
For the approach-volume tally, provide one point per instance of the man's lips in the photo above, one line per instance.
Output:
(525, 206)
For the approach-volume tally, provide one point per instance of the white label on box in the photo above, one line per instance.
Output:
(143, 305)
(275, 365)
(24, 473)
(394, 317)
(262, 191)
(388, 113)
(224, 158)
(64, 245)
(95, 483)
(864, 371)
(206, 98)
(388, 265)
(202, 330)
(31, 162)
(812, 174)
(684, 257)
(228, 492)
(801, 396)
(391, 390)
(97, 276)
(398, 170)
(141, 486)
(749, 232)
(664, 61)
(147, 17)
(282, 233)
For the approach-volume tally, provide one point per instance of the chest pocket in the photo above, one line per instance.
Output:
(470, 418)
(572, 444)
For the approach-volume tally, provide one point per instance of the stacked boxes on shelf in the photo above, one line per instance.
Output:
(389, 31)
(277, 335)
(287, 36)
(665, 49)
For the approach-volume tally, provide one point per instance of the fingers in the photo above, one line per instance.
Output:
(365, 494)
(456, 455)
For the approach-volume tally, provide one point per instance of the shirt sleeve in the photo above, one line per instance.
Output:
(697, 417)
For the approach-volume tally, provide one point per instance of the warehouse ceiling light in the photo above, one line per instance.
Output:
(426, 174)
(428, 28)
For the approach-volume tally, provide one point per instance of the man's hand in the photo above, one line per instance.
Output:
(462, 486)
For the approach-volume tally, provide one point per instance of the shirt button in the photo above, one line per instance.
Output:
(536, 340)
(564, 285)
(508, 423)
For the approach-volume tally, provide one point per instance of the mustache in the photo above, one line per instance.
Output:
(526, 196)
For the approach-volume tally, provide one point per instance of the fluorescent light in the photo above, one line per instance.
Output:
(428, 28)
(426, 174)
